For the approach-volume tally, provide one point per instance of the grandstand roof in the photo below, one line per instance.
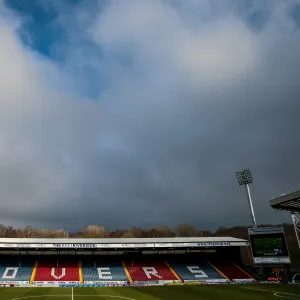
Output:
(115, 243)
(119, 240)
(289, 202)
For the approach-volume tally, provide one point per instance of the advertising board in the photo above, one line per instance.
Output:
(207, 280)
(243, 280)
(13, 282)
(106, 282)
(55, 282)
(120, 246)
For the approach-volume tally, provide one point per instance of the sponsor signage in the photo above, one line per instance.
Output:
(46, 284)
(9, 245)
(207, 280)
(204, 244)
(5, 245)
(83, 246)
(118, 246)
(266, 230)
(105, 282)
(217, 280)
(14, 282)
(146, 282)
(55, 282)
(243, 280)
(125, 245)
(165, 281)
(271, 260)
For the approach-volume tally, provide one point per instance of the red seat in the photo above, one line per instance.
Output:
(66, 271)
(231, 270)
(149, 271)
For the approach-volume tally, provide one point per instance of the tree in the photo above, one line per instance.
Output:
(28, 232)
(3, 230)
(162, 231)
(205, 233)
(94, 231)
(186, 230)
(128, 234)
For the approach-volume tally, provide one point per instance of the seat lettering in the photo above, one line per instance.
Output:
(151, 271)
(63, 273)
(10, 273)
(197, 271)
(103, 272)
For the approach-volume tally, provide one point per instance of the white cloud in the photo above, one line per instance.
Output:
(182, 104)
(153, 32)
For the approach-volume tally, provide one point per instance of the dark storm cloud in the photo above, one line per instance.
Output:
(184, 103)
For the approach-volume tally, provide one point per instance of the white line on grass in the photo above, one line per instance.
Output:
(276, 294)
(254, 289)
(286, 297)
(109, 296)
(39, 296)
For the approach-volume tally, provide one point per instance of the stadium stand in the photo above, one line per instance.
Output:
(94, 262)
(252, 272)
(51, 270)
(231, 270)
(103, 271)
(196, 270)
(149, 270)
(14, 270)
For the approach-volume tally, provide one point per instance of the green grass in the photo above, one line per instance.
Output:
(187, 292)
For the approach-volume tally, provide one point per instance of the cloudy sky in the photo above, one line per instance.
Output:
(138, 113)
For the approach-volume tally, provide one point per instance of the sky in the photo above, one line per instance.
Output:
(138, 113)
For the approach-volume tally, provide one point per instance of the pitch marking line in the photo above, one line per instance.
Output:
(65, 295)
(281, 295)
(276, 294)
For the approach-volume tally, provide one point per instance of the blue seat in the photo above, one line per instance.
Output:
(104, 272)
(196, 271)
(15, 273)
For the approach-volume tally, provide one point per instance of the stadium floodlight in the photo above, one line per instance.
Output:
(245, 178)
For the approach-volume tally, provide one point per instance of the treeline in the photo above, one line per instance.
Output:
(183, 230)
(95, 231)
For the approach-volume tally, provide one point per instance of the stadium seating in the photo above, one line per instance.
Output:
(14, 271)
(48, 271)
(196, 271)
(110, 271)
(231, 271)
(254, 273)
(149, 271)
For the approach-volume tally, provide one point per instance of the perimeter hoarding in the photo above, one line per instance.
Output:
(268, 245)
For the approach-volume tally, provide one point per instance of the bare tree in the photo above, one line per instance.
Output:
(29, 232)
(128, 234)
(186, 230)
(162, 231)
(3, 230)
(94, 231)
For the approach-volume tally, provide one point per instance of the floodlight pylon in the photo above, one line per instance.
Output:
(296, 223)
(245, 178)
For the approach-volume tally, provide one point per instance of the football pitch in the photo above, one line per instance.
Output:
(187, 292)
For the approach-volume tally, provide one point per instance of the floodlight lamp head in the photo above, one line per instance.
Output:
(244, 177)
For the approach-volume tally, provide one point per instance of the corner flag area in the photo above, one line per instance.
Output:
(187, 292)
